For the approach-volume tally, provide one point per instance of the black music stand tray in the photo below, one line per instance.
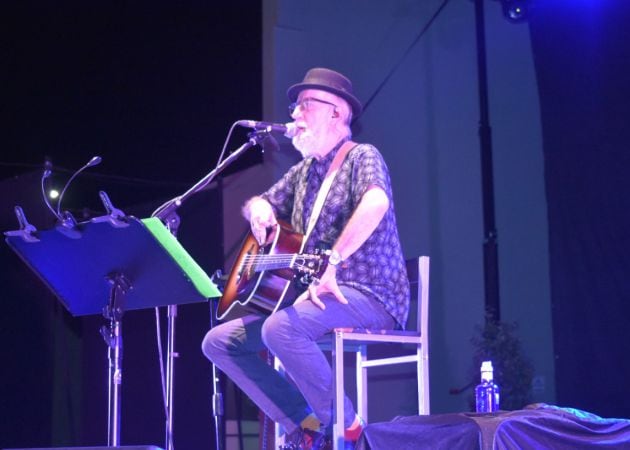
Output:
(110, 265)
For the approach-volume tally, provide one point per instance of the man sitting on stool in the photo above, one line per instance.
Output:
(364, 284)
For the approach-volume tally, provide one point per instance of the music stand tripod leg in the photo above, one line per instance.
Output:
(170, 369)
(113, 338)
(217, 394)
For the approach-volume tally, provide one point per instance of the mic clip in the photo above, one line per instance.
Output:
(114, 216)
(258, 134)
(68, 225)
(27, 231)
(264, 138)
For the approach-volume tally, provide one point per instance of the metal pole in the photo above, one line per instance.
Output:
(113, 338)
(170, 364)
(217, 393)
(114, 353)
(490, 241)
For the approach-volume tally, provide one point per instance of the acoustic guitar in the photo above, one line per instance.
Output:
(262, 276)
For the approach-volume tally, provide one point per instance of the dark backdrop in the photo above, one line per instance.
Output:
(582, 57)
(151, 87)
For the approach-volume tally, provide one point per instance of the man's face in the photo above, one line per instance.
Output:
(312, 114)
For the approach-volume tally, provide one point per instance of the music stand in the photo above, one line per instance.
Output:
(107, 266)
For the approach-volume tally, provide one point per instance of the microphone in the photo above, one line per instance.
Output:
(288, 129)
(92, 162)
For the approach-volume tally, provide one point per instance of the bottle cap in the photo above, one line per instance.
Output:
(486, 371)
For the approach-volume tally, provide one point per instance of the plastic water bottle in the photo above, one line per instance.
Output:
(487, 393)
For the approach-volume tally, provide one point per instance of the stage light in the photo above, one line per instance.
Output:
(53, 193)
(515, 10)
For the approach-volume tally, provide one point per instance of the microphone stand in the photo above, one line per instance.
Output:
(167, 213)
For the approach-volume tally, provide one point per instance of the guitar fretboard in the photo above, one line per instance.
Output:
(269, 262)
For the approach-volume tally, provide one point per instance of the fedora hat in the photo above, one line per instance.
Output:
(330, 81)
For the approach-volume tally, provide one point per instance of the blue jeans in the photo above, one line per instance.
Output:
(291, 335)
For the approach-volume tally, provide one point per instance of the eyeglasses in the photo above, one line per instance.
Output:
(306, 104)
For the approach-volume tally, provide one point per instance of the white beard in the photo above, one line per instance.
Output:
(307, 143)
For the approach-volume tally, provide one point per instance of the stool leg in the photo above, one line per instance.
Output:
(362, 387)
(338, 404)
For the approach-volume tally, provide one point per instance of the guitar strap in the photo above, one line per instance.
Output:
(325, 187)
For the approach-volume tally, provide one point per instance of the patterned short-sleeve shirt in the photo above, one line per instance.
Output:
(377, 268)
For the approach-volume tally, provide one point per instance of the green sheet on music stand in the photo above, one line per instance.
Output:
(196, 274)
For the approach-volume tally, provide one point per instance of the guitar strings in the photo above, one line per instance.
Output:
(283, 256)
(274, 258)
(260, 260)
(270, 257)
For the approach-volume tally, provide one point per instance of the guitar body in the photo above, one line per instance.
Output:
(261, 275)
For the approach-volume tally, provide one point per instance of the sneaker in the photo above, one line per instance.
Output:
(351, 436)
(302, 439)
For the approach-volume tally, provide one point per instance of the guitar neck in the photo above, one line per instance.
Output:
(261, 263)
